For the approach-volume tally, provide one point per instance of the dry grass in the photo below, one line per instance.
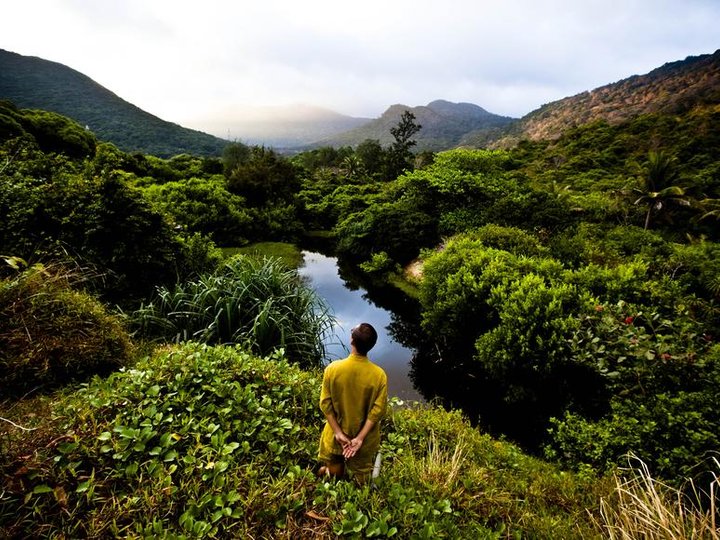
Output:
(647, 508)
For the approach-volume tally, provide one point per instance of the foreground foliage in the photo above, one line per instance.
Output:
(52, 333)
(201, 441)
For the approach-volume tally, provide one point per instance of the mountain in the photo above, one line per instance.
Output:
(34, 83)
(280, 127)
(444, 124)
(673, 88)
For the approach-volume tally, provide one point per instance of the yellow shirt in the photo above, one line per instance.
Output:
(353, 389)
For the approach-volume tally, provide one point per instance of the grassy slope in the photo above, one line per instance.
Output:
(202, 441)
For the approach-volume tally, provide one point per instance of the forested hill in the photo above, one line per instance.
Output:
(31, 82)
(672, 88)
(443, 123)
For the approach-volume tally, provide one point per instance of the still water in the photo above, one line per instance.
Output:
(350, 305)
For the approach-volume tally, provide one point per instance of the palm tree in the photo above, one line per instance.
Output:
(656, 190)
(352, 167)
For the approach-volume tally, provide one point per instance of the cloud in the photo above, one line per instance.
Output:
(183, 59)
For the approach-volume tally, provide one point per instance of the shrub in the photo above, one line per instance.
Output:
(51, 333)
(397, 228)
(662, 377)
(509, 239)
(203, 206)
(259, 303)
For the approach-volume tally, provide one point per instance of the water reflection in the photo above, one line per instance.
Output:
(352, 304)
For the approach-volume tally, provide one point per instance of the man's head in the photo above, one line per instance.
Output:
(363, 337)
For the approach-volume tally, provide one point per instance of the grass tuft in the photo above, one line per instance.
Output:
(259, 303)
(643, 507)
(51, 332)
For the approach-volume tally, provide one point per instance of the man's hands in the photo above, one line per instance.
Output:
(352, 447)
(343, 439)
(349, 446)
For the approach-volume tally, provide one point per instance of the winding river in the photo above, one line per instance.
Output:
(350, 304)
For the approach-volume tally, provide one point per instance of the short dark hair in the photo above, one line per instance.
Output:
(364, 337)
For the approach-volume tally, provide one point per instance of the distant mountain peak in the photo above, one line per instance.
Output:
(444, 125)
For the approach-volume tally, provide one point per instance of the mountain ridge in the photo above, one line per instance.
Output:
(35, 83)
(443, 122)
(671, 88)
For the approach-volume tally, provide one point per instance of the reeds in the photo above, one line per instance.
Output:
(644, 507)
(258, 303)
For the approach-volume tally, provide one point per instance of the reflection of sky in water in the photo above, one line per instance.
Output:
(350, 308)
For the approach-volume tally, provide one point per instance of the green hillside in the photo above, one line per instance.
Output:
(34, 83)
(673, 88)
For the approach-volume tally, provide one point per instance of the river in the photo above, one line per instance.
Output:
(350, 304)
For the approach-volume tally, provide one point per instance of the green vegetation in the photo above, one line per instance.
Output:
(259, 303)
(212, 442)
(569, 300)
(289, 254)
(51, 333)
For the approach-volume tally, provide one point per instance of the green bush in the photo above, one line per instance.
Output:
(511, 239)
(51, 333)
(397, 228)
(259, 303)
(204, 206)
(457, 286)
(662, 377)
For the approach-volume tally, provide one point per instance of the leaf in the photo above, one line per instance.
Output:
(42, 488)
(83, 486)
(230, 448)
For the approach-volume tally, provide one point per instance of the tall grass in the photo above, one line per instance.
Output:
(644, 507)
(258, 303)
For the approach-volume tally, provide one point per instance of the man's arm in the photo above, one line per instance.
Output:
(340, 435)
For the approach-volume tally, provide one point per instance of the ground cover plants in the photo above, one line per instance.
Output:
(200, 441)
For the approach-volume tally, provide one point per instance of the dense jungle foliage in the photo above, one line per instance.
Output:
(568, 300)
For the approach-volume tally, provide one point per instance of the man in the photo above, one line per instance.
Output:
(353, 399)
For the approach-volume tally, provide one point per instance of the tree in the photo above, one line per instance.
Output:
(352, 167)
(265, 176)
(400, 156)
(657, 190)
(234, 155)
(372, 155)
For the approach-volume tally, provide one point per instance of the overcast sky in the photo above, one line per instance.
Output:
(189, 61)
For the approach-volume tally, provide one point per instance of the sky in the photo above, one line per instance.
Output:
(192, 62)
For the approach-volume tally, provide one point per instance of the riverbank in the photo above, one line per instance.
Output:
(213, 442)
